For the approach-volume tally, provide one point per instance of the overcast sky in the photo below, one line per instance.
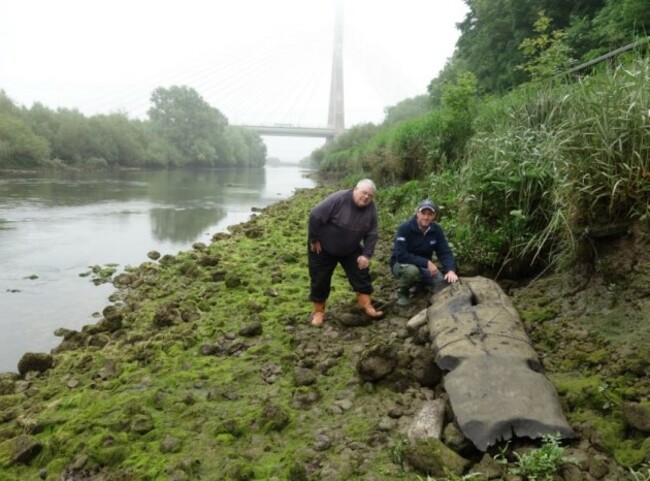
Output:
(257, 61)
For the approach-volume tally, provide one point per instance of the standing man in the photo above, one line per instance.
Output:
(415, 242)
(342, 230)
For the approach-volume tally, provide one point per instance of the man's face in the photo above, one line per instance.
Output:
(425, 218)
(363, 196)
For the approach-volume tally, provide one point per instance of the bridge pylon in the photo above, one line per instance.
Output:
(336, 117)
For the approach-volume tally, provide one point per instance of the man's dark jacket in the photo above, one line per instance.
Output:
(342, 227)
(412, 246)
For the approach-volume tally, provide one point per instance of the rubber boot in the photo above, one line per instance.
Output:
(318, 316)
(365, 303)
(403, 297)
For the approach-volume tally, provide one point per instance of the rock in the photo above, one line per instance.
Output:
(273, 417)
(170, 444)
(571, 472)
(637, 415)
(349, 319)
(488, 467)
(110, 370)
(433, 458)
(232, 280)
(322, 442)
(598, 467)
(303, 377)
(252, 329)
(428, 422)
(417, 321)
(386, 424)
(26, 448)
(304, 399)
(426, 372)
(454, 437)
(270, 372)
(376, 363)
(141, 424)
(35, 361)
(166, 315)
(112, 318)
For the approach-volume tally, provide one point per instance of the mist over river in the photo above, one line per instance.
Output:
(55, 226)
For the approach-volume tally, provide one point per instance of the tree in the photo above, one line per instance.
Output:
(181, 117)
(547, 53)
(407, 109)
(490, 35)
(19, 145)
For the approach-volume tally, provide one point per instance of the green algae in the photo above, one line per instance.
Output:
(214, 404)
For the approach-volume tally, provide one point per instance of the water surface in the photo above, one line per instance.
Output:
(53, 227)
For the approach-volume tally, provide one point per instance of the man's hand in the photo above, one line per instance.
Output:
(432, 268)
(451, 277)
(363, 262)
(315, 247)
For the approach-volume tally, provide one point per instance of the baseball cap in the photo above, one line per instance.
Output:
(427, 204)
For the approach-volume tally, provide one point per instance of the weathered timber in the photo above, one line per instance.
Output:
(492, 373)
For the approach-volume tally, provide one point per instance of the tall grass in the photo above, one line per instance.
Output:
(550, 167)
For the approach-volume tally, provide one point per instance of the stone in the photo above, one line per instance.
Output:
(428, 422)
(637, 415)
(376, 363)
(433, 458)
(26, 448)
(35, 361)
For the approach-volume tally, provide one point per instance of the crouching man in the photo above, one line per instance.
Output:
(411, 261)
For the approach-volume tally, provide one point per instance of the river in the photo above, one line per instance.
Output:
(54, 227)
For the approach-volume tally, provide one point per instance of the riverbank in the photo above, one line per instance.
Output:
(204, 367)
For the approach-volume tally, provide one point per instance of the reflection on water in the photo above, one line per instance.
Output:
(53, 226)
(183, 224)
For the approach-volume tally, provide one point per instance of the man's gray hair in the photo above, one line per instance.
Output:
(367, 183)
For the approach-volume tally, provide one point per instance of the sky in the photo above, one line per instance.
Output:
(260, 62)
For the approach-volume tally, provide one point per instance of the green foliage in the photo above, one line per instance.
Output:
(409, 148)
(608, 147)
(184, 130)
(398, 452)
(488, 39)
(342, 155)
(407, 109)
(542, 463)
(547, 53)
(507, 188)
(617, 23)
(19, 145)
(181, 116)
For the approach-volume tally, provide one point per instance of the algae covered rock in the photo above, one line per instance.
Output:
(377, 362)
(433, 458)
(35, 361)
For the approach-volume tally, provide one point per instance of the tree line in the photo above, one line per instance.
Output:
(182, 130)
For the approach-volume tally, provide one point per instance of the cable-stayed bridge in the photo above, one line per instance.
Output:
(336, 117)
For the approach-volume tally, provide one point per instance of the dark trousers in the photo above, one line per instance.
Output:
(321, 268)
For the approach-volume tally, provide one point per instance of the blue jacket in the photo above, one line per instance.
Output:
(412, 246)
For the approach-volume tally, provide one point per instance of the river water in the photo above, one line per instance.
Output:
(53, 227)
